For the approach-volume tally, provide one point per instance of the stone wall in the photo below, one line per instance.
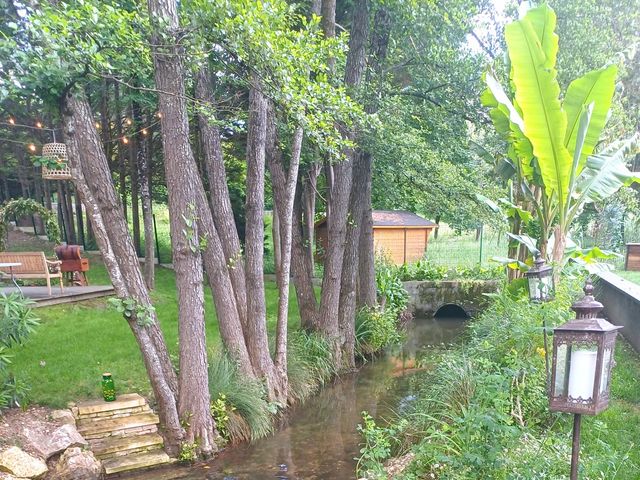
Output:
(426, 297)
(621, 300)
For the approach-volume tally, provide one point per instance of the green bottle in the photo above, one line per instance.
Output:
(108, 388)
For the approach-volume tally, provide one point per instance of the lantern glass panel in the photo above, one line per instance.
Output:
(582, 371)
(562, 369)
(606, 370)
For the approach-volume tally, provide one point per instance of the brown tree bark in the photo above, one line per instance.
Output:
(143, 163)
(133, 175)
(221, 210)
(122, 162)
(256, 331)
(182, 181)
(302, 274)
(92, 178)
(284, 188)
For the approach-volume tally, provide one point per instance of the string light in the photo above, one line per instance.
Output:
(97, 124)
(12, 121)
(32, 147)
(144, 131)
(159, 115)
(128, 121)
(39, 124)
(125, 140)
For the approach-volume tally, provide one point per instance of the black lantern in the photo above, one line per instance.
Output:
(540, 279)
(583, 357)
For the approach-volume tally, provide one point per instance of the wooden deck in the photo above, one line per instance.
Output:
(70, 295)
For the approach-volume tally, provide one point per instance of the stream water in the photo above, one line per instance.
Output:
(319, 439)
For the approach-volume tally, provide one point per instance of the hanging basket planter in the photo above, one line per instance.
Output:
(54, 162)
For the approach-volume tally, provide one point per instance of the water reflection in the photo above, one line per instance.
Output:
(320, 440)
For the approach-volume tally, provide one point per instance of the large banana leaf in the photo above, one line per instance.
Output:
(543, 21)
(508, 122)
(605, 173)
(595, 87)
(537, 94)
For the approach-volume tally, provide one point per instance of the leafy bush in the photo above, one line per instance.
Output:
(376, 328)
(391, 293)
(17, 322)
(248, 412)
(482, 411)
(426, 270)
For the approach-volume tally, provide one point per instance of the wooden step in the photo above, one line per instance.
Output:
(117, 446)
(135, 461)
(141, 423)
(122, 402)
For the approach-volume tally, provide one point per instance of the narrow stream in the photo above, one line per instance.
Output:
(320, 440)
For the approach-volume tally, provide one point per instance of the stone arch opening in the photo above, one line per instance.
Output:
(450, 310)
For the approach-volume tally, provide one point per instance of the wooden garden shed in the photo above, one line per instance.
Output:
(401, 235)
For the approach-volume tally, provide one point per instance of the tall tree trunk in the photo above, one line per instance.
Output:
(328, 318)
(300, 268)
(79, 219)
(133, 173)
(182, 181)
(68, 204)
(310, 186)
(284, 188)
(275, 235)
(256, 332)
(122, 162)
(143, 162)
(92, 177)
(221, 209)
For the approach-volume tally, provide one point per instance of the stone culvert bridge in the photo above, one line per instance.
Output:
(448, 298)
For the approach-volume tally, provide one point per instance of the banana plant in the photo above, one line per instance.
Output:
(554, 144)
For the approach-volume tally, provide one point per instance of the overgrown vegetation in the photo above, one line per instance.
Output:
(482, 411)
(426, 270)
(17, 323)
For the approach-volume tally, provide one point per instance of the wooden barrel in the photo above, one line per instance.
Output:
(68, 252)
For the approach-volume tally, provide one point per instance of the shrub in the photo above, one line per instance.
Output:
(426, 270)
(482, 412)
(17, 322)
(391, 293)
(376, 328)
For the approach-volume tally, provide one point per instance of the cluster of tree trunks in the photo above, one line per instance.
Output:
(204, 234)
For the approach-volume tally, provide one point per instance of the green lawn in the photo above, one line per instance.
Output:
(453, 250)
(631, 276)
(76, 343)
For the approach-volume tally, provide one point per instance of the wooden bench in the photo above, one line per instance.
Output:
(33, 265)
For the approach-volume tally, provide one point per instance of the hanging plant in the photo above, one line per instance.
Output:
(23, 207)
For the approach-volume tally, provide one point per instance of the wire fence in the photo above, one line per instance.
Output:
(466, 249)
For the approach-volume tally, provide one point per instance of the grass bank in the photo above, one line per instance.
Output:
(482, 409)
(631, 276)
(75, 343)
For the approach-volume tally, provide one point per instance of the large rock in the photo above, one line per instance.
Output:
(78, 464)
(50, 444)
(64, 417)
(21, 464)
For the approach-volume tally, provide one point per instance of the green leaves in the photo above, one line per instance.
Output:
(595, 87)
(537, 94)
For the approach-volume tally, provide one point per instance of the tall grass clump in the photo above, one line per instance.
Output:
(309, 365)
(482, 410)
(238, 405)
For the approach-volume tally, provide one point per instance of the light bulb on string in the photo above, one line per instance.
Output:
(12, 121)
(128, 121)
(159, 115)
(39, 124)
(144, 131)
(97, 124)
(125, 140)
(32, 147)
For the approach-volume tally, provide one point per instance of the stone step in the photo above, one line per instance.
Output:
(141, 423)
(117, 446)
(122, 412)
(122, 402)
(135, 461)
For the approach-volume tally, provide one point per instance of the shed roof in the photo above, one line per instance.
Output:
(399, 218)
(395, 218)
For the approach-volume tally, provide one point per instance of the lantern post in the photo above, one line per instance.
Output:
(583, 357)
(541, 286)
